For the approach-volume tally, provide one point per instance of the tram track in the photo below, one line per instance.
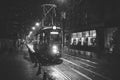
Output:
(83, 63)
(92, 73)
(72, 73)
(98, 68)
(80, 63)
(85, 60)
(66, 76)
(85, 76)
(57, 74)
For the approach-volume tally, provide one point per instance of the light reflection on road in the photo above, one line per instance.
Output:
(69, 70)
(64, 72)
(56, 74)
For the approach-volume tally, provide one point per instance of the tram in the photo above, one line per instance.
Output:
(49, 43)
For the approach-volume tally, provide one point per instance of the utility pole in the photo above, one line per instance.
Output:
(48, 12)
(63, 17)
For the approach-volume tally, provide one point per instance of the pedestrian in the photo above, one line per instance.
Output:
(32, 56)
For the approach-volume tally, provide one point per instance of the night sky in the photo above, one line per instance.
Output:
(17, 15)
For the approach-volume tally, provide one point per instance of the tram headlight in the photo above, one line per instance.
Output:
(55, 49)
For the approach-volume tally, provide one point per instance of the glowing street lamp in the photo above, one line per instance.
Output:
(37, 24)
(33, 28)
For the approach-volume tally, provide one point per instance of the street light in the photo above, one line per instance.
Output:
(37, 24)
(33, 28)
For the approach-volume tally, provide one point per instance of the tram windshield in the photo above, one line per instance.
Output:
(55, 37)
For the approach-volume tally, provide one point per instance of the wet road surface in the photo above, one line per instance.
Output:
(71, 69)
(14, 66)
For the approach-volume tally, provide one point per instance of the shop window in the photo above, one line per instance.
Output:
(86, 38)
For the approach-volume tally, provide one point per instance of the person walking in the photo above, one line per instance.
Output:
(32, 54)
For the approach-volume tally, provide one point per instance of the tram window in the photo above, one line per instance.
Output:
(55, 38)
(54, 33)
(41, 37)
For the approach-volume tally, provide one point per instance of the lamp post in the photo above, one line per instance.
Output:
(48, 11)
